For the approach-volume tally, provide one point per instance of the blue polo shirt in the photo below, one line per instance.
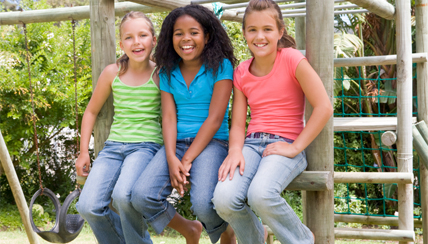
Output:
(193, 104)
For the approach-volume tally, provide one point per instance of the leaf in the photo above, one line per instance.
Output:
(389, 190)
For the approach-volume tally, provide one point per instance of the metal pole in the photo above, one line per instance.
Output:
(404, 113)
(319, 52)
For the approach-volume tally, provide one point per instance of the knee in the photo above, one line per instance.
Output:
(227, 201)
(140, 198)
(121, 199)
(88, 210)
(260, 199)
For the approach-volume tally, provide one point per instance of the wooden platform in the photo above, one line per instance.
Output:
(366, 123)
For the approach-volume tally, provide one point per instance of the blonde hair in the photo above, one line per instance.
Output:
(260, 5)
(122, 62)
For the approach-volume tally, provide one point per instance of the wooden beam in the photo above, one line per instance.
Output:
(420, 57)
(103, 53)
(312, 181)
(64, 14)
(421, 15)
(373, 177)
(388, 235)
(319, 46)
(404, 113)
(173, 4)
(366, 123)
(379, 7)
(17, 192)
(371, 220)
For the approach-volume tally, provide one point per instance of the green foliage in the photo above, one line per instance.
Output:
(50, 48)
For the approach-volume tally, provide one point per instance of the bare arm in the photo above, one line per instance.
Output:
(315, 92)
(99, 97)
(209, 128)
(236, 138)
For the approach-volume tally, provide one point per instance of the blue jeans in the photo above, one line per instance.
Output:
(261, 185)
(149, 195)
(113, 175)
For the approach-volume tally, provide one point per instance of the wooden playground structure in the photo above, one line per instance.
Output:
(314, 33)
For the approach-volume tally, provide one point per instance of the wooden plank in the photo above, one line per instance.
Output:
(388, 235)
(173, 4)
(373, 177)
(17, 192)
(421, 15)
(366, 123)
(67, 13)
(371, 220)
(420, 57)
(319, 43)
(379, 7)
(103, 53)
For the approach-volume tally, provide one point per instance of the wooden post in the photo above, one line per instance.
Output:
(404, 113)
(381, 8)
(15, 186)
(422, 85)
(103, 53)
(300, 36)
(319, 52)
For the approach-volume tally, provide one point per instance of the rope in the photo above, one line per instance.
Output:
(33, 115)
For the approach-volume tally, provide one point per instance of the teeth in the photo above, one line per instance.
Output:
(187, 47)
(137, 50)
(260, 45)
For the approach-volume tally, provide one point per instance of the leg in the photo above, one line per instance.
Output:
(191, 230)
(274, 174)
(138, 156)
(150, 191)
(96, 195)
(204, 178)
(230, 198)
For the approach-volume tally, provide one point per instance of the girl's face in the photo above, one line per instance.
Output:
(137, 40)
(262, 33)
(188, 38)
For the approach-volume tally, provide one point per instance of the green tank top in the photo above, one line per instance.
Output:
(137, 111)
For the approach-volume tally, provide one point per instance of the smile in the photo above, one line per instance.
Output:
(260, 45)
(137, 50)
(187, 48)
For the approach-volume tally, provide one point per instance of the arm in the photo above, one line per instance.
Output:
(236, 138)
(169, 131)
(315, 92)
(99, 96)
(218, 105)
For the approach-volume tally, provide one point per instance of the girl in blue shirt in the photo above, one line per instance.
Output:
(195, 59)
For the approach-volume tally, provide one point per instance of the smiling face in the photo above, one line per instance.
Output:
(188, 38)
(136, 39)
(262, 33)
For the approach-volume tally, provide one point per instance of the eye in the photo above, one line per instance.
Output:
(177, 34)
(128, 37)
(143, 35)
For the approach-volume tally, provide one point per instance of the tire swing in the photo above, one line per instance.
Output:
(67, 226)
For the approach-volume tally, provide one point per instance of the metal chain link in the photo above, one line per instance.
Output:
(33, 115)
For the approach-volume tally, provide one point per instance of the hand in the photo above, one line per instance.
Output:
(82, 164)
(281, 148)
(232, 161)
(177, 175)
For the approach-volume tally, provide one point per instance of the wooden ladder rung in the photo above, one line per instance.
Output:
(366, 123)
(387, 235)
(373, 177)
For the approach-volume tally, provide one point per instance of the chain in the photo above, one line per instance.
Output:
(33, 115)
(73, 24)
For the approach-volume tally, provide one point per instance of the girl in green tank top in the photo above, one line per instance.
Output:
(135, 135)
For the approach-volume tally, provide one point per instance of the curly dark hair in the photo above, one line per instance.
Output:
(217, 48)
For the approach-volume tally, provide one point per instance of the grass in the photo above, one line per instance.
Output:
(170, 237)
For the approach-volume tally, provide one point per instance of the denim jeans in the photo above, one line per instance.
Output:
(261, 185)
(113, 175)
(149, 195)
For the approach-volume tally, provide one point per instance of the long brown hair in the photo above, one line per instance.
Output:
(260, 5)
(122, 62)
